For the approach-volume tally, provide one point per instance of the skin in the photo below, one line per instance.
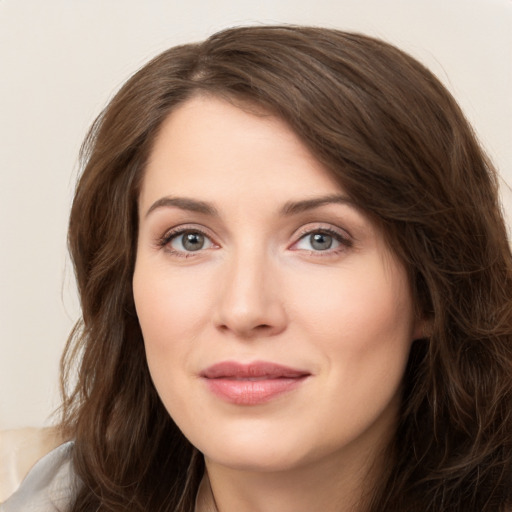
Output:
(260, 290)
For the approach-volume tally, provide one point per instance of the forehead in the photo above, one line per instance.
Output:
(209, 147)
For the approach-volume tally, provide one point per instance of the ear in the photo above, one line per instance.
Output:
(422, 328)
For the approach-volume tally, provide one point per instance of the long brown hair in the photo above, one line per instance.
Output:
(399, 145)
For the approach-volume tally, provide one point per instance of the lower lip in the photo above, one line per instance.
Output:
(252, 392)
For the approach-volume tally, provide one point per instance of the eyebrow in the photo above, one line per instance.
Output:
(294, 207)
(185, 203)
(289, 208)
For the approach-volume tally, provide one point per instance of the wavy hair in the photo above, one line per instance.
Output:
(401, 148)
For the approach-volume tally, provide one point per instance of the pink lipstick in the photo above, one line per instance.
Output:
(251, 384)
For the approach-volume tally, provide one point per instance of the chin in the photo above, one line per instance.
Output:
(263, 450)
(258, 459)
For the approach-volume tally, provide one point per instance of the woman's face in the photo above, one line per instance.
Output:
(276, 321)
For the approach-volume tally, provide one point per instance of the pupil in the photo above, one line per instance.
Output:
(321, 241)
(193, 241)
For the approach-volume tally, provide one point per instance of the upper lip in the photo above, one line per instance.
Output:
(254, 370)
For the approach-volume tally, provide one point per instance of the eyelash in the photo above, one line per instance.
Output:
(344, 241)
(169, 236)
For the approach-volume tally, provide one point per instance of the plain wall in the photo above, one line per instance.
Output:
(60, 62)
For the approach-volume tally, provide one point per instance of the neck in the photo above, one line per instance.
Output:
(335, 484)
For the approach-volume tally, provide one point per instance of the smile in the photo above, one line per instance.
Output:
(251, 384)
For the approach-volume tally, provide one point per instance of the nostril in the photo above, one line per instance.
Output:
(249, 315)
(252, 332)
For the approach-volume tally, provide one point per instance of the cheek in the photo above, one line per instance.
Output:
(363, 327)
(366, 308)
(170, 305)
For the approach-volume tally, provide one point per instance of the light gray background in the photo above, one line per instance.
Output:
(60, 62)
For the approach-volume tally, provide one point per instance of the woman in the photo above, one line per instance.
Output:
(296, 288)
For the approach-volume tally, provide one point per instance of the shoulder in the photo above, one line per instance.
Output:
(48, 487)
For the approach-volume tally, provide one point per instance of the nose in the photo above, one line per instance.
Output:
(250, 302)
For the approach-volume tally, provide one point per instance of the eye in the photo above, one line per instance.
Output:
(186, 241)
(322, 240)
(317, 242)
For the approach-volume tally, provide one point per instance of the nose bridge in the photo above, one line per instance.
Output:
(250, 300)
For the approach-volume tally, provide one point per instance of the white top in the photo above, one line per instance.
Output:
(49, 486)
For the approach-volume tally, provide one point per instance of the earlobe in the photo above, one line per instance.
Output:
(422, 329)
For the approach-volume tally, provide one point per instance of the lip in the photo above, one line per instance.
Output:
(252, 384)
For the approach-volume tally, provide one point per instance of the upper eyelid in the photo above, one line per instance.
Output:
(343, 237)
(176, 231)
(322, 226)
(304, 230)
(180, 228)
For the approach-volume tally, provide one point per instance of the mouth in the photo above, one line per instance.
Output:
(252, 384)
